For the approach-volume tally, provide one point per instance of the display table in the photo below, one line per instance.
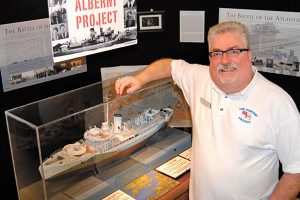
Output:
(180, 192)
(101, 182)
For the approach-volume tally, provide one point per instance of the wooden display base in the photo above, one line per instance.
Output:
(99, 183)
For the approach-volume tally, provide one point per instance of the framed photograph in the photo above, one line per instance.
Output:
(151, 21)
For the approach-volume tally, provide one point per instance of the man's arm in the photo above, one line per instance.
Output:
(287, 188)
(157, 70)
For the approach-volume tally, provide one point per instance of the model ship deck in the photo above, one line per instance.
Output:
(102, 145)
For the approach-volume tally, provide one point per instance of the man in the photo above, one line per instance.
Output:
(93, 34)
(243, 124)
(63, 33)
(55, 35)
(292, 58)
(130, 4)
(130, 18)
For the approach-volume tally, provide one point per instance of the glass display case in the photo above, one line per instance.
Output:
(89, 142)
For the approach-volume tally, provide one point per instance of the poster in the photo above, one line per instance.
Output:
(274, 38)
(84, 27)
(26, 56)
(192, 26)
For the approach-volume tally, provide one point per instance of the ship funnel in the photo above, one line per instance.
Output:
(117, 123)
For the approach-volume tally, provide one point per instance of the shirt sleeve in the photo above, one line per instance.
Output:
(288, 136)
(189, 77)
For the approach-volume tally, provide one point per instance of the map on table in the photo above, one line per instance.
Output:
(150, 186)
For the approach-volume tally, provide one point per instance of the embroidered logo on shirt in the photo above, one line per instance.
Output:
(246, 115)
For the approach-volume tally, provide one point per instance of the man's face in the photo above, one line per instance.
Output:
(230, 73)
(55, 31)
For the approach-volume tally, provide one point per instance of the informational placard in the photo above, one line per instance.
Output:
(187, 154)
(274, 38)
(84, 27)
(118, 195)
(26, 56)
(175, 167)
(192, 26)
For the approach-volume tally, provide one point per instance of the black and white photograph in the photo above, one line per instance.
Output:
(274, 37)
(130, 13)
(85, 27)
(26, 68)
(57, 2)
(151, 21)
(130, 18)
(42, 72)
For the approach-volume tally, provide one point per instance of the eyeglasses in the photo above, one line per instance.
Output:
(230, 53)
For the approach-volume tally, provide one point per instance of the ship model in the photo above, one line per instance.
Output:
(101, 146)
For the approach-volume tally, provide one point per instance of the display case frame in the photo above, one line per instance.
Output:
(38, 129)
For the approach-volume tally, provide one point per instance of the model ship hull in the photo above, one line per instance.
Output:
(61, 164)
(96, 162)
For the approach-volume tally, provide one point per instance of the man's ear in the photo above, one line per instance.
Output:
(250, 54)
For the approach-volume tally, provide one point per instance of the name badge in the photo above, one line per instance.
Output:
(205, 102)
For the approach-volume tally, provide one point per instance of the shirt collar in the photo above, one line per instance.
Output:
(131, 3)
(245, 90)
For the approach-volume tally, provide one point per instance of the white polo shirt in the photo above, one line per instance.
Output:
(237, 139)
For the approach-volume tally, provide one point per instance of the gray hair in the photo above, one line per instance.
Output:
(229, 26)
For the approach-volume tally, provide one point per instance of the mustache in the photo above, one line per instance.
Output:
(227, 67)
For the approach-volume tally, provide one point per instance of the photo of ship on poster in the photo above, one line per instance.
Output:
(104, 39)
(101, 146)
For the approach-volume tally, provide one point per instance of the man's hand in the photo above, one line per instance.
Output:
(157, 70)
(130, 83)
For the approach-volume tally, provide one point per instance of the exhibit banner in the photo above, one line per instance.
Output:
(84, 27)
(274, 38)
(26, 56)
